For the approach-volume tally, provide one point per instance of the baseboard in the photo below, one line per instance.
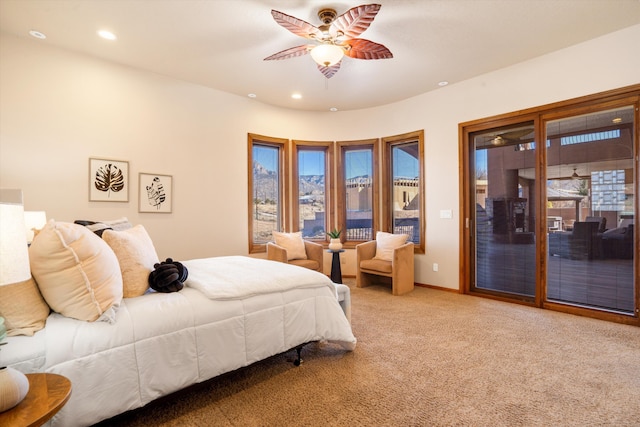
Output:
(439, 288)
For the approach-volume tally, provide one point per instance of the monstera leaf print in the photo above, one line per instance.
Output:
(109, 178)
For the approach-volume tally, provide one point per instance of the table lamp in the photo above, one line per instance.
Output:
(14, 268)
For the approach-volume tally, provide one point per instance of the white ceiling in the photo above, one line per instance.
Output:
(222, 43)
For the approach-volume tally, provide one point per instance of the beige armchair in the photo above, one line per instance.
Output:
(314, 259)
(398, 272)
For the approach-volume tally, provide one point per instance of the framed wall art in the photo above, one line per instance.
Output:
(155, 193)
(108, 180)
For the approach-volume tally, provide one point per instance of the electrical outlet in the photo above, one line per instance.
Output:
(435, 266)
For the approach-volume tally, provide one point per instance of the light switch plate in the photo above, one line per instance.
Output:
(446, 213)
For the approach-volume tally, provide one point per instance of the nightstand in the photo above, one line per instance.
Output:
(47, 394)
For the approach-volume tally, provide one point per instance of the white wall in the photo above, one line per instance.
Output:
(58, 108)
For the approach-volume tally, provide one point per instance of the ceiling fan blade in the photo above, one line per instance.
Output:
(297, 26)
(329, 71)
(366, 49)
(516, 134)
(356, 20)
(291, 52)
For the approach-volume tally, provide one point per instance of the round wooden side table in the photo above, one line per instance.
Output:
(47, 394)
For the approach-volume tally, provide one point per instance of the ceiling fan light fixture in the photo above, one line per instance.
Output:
(327, 55)
(498, 140)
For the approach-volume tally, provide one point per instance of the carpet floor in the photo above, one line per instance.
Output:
(429, 358)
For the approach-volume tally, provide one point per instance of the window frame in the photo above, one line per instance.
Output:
(341, 148)
(283, 170)
(328, 147)
(388, 143)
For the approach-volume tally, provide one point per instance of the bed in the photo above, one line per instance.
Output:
(232, 312)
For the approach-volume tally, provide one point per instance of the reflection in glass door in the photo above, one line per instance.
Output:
(591, 210)
(505, 233)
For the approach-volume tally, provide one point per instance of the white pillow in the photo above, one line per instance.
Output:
(136, 255)
(293, 243)
(77, 272)
(386, 243)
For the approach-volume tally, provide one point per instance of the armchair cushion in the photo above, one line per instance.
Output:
(601, 220)
(376, 265)
(306, 263)
(293, 243)
(386, 243)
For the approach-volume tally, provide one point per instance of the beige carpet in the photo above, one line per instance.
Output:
(430, 358)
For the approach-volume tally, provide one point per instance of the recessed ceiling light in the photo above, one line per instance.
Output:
(37, 34)
(617, 120)
(252, 95)
(107, 35)
(296, 96)
(443, 83)
(333, 109)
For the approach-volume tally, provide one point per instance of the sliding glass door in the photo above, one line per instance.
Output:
(550, 204)
(591, 209)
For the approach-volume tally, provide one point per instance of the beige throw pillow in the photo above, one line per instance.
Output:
(76, 271)
(136, 255)
(23, 308)
(386, 243)
(293, 243)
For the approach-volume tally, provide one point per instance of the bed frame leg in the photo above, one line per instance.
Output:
(298, 359)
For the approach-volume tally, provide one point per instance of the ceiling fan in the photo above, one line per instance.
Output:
(510, 136)
(336, 37)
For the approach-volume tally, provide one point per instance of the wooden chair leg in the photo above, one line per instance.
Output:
(363, 279)
(402, 282)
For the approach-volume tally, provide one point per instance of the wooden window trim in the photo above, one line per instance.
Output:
(328, 147)
(387, 174)
(282, 145)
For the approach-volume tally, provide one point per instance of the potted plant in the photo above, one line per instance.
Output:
(334, 243)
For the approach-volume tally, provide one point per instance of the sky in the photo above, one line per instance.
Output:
(312, 162)
(481, 160)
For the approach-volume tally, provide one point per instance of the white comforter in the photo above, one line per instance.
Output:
(161, 343)
(217, 278)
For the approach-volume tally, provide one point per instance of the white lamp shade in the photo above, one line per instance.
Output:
(14, 255)
(34, 220)
(327, 54)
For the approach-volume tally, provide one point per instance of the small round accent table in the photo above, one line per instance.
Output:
(336, 270)
(47, 394)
